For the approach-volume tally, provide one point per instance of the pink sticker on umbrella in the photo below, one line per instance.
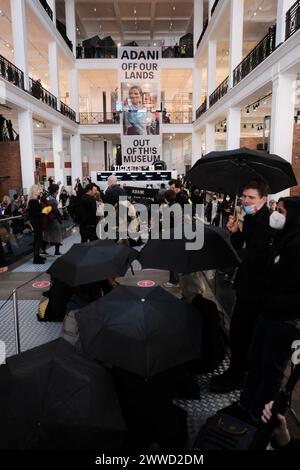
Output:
(41, 284)
(145, 283)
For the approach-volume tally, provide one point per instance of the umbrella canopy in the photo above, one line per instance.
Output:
(228, 171)
(60, 400)
(90, 262)
(217, 252)
(141, 330)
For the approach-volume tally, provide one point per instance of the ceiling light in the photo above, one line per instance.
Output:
(119, 44)
(7, 45)
(95, 9)
(260, 8)
(134, 11)
(154, 44)
(254, 14)
(174, 8)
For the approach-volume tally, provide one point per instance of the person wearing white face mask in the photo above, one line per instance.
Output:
(279, 323)
(253, 245)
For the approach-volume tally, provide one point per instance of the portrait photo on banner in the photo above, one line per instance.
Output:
(141, 115)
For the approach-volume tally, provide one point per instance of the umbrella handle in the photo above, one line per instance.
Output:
(132, 271)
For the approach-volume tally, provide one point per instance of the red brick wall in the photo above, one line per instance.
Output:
(10, 165)
(296, 159)
(250, 142)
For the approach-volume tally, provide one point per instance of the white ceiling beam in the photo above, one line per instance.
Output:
(118, 16)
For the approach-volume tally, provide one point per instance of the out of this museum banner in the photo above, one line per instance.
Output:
(139, 85)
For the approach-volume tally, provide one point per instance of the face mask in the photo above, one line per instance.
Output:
(228, 199)
(250, 210)
(277, 220)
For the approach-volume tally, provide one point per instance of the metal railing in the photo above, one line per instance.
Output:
(10, 72)
(96, 52)
(202, 108)
(205, 24)
(47, 8)
(178, 117)
(67, 111)
(62, 30)
(182, 51)
(220, 91)
(261, 51)
(40, 93)
(99, 118)
(292, 20)
(214, 7)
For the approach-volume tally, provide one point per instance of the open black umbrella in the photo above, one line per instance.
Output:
(171, 254)
(60, 400)
(90, 262)
(228, 171)
(139, 329)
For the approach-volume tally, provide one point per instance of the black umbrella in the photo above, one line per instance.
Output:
(171, 254)
(228, 171)
(85, 263)
(139, 329)
(60, 400)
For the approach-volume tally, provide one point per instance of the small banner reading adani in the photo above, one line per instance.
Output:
(139, 79)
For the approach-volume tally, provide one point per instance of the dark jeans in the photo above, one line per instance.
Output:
(271, 349)
(88, 233)
(37, 238)
(241, 330)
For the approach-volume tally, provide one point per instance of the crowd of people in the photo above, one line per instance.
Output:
(266, 235)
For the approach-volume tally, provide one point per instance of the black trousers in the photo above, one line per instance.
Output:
(271, 349)
(242, 325)
(2, 256)
(37, 238)
(88, 233)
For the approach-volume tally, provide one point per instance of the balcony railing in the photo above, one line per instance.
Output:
(67, 111)
(220, 91)
(263, 49)
(205, 24)
(40, 93)
(178, 117)
(184, 50)
(62, 29)
(11, 73)
(214, 7)
(47, 9)
(201, 109)
(292, 20)
(96, 52)
(99, 118)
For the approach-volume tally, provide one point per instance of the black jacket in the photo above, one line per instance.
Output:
(254, 247)
(283, 289)
(87, 211)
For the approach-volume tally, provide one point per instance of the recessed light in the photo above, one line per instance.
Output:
(254, 14)
(95, 9)
(174, 8)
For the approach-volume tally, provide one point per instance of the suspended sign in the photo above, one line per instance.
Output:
(139, 84)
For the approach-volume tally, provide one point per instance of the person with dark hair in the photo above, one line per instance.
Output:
(181, 197)
(88, 214)
(279, 322)
(213, 211)
(253, 244)
(53, 232)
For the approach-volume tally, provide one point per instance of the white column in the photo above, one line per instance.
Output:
(209, 137)
(236, 36)
(58, 154)
(196, 146)
(282, 7)
(211, 68)
(19, 30)
(233, 128)
(196, 88)
(74, 102)
(282, 117)
(52, 5)
(75, 144)
(54, 73)
(71, 22)
(198, 21)
(26, 149)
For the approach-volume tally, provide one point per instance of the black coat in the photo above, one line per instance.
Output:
(254, 247)
(283, 289)
(87, 211)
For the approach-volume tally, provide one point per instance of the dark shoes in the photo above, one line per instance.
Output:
(225, 383)
(38, 260)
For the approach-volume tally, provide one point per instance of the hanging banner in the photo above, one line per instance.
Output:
(139, 85)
